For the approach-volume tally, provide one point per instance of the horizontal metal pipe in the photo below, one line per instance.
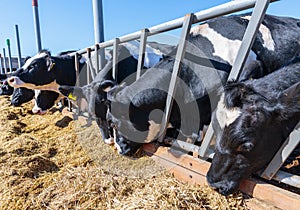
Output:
(223, 9)
(287, 178)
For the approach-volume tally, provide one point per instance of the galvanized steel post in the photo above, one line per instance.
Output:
(18, 46)
(1, 68)
(4, 63)
(37, 24)
(9, 55)
(99, 29)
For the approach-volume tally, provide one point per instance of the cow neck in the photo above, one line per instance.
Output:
(208, 62)
(64, 71)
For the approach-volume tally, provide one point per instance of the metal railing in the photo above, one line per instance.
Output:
(185, 23)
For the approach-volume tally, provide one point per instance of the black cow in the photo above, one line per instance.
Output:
(255, 117)
(136, 110)
(94, 94)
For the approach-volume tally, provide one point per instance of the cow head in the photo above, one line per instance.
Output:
(21, 95)
(44, 100)
(93, 99)
(254, 127)
(5, 88)
(36, 73)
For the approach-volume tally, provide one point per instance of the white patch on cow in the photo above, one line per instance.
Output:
(154, 130)
(35, 108)
(115, 142)
(29, 61)
(224, 115)
(82, 60)
(224, 48)
(266, 35)
(16, 82)
(109, 141)
(152, 56)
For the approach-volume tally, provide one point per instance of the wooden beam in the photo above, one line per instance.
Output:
(193, 170)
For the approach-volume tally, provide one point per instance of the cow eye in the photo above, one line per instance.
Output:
(245, 147)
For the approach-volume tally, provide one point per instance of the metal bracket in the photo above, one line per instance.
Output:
(143, 42)
(115, 58)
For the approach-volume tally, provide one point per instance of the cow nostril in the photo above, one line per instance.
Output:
(11, 80)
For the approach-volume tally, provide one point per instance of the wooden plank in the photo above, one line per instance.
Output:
(193, 170)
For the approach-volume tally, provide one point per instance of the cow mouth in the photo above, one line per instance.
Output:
(38, 111)
(224, 187)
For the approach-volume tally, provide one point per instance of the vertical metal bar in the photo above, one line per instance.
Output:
(77, 77)
(77, 69)
(283, 153)
(18, 46)
(96, 56)
(1, 65)
(37, 24)
(69, 106)
(248, 39)
(98, 21)
(9, 55)
(115, 58)
(98, 28)
(257, 17)
(4, 63)
(188, 21)
(89, 78)
(143, 42)
(206, 141)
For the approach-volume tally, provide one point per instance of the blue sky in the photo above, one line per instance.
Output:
(68, 24)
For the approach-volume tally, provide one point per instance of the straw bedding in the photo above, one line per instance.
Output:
(53, 162)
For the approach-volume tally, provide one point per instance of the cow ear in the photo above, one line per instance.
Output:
(113, 92)
(107, 85)
(50, 63)
(289, 101)
(290, 95)
(235, 92)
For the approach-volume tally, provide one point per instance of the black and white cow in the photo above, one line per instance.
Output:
(95, 94)
(136, 110)
(251, 121)
(45, 73)
(19, 95)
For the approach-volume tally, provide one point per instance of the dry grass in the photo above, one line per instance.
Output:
(51, 162)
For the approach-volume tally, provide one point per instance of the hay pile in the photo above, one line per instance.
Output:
(52, 162)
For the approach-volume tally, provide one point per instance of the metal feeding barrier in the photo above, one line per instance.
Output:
(203, 151)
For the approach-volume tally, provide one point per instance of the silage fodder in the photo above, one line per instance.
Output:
(107, 158)
(51, 162)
